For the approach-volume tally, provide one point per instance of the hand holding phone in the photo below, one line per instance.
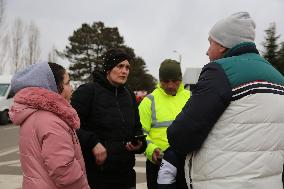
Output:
(134, 140)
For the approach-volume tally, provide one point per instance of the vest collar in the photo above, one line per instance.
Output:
(242, 48)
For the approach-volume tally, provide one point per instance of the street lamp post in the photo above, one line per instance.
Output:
(179, 55)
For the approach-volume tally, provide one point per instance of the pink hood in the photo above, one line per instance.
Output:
(31, 99)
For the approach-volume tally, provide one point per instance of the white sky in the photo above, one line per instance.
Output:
(153, 28)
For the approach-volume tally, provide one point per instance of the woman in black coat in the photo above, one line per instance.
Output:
(109, 121)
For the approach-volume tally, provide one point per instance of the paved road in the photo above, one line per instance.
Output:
(10, 168)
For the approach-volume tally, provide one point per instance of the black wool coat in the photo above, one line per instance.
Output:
(108, 115)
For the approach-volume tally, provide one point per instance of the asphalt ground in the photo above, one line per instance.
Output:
(10, 167)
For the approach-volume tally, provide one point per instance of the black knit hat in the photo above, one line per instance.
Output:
(113, 57)
(170, 69)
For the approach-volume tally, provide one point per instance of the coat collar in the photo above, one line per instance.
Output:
(36, 98)
(101, 78)
(242, 48)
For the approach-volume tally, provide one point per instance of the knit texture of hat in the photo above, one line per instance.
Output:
(36, 75)
(113, 57)
(235, 29)
(170, 70)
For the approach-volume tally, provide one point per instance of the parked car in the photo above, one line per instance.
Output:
(6, 98)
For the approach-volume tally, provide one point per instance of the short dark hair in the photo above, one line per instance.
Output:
(58, 73)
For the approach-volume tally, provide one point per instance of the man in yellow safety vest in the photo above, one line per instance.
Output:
(157, 111)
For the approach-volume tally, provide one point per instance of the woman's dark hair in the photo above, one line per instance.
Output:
(58, 73)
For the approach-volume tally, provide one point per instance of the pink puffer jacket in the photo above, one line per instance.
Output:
(50, 152)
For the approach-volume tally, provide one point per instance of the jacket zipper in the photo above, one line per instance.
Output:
(120, 112)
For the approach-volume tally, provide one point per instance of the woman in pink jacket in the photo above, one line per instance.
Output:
(50, 152)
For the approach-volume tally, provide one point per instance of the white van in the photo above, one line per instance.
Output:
(6, 98)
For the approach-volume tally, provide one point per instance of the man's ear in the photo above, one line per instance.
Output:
(222, 49)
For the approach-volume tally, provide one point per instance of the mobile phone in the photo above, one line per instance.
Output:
(134, 140)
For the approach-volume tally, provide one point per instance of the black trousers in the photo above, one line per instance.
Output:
(114, 180)
(152, 174)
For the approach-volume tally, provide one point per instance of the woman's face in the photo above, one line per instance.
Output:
(67, 88)
(119, 74)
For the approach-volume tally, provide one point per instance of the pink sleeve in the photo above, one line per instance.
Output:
(59, 157)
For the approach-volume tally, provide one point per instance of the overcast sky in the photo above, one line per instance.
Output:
(153, 28)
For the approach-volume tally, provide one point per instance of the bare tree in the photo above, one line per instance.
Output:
(52, 55)
(4, 39)
(2, 11)
(17, 36)
(33, 47)
(4, 46)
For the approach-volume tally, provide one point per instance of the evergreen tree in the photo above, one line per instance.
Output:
(139, 79)
(271, 46)
(280, 58)
(86, 47)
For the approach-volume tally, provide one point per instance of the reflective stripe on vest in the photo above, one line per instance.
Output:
(155, 123)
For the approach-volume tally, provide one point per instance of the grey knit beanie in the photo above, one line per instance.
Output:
(235, 29)
(170, 69)
(36, 75)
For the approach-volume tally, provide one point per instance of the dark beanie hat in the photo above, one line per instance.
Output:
(170, 69)
(113, 57)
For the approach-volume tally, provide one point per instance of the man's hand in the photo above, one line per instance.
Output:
(130, 147)
(157, 156)
(100, 153)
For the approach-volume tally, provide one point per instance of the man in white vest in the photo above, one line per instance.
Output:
(233, 125)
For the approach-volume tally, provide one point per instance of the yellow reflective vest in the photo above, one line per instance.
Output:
(157, 111)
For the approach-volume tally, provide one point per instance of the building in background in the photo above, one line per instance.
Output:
(190, 77)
